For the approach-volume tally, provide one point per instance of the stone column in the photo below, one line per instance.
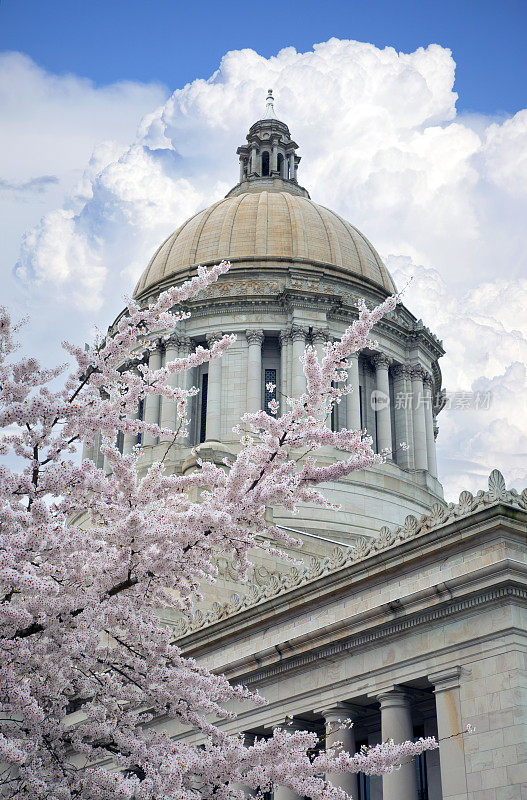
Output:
(213, 394)
(403, 414)
(298, 386)
(88, 451)
(282, 792)
(382, 385)
(241, 169)
(168, 407)
(419, 424)
(353, 399)
(429, 425)
(396, 724)
(449, 733)
(248, 740)
(320, 337)
(344, 780)
(290, 365)
(254, 371)
(186, 346)
(254, 161)
(130, 439)
(285, 343)
(291, 166)
(274, 159)
(152, 400)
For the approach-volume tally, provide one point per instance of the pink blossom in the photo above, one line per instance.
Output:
(87, 559)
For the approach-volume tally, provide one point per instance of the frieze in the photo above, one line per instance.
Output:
(394, 628)
(281, 583)
(245, 287)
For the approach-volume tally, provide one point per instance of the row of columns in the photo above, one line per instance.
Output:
(413, 417)
(162, 410)
(396, 723)
(254, 166)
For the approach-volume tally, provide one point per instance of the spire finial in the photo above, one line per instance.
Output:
(269, 105)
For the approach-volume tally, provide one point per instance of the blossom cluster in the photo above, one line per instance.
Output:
(89, 556)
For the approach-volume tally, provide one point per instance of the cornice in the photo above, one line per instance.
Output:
(384, 631)
(497, 496)
(352, 279)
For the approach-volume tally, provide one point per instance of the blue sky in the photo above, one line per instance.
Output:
(174, 42)
(119, 120)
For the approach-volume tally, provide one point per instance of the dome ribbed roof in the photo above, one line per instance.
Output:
(262, 226)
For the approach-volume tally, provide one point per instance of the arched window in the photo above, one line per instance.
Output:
(280, 164)
(265, 163)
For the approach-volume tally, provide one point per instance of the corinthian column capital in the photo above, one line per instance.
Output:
(381, 360)
(418, 373)
(320, 335)
(213, 337)
(255, 337)
(298, 334)
(428, 380)
(284, 337)
(155, 346)
(402, 371)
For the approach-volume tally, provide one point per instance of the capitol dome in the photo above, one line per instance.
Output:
(274, 224)
(297, 272)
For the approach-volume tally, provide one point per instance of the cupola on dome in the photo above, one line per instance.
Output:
(267, 218)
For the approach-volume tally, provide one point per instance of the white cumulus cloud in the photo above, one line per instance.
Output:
(442, 196)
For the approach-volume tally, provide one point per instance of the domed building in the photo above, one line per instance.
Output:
(297, 272)
(404, 613)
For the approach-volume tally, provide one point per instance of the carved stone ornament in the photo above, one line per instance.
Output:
(381, 360)
(402, 371)
(213, 337)
(418, 373)
(298, 334)
(320, 335)
(280, 583)
(428, 380)
(255, 337)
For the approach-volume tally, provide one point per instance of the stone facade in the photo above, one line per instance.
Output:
(402, 613)
(419, 632)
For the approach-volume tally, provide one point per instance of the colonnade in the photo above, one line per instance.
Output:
(162, 410)
(412, 385)
(403, 392)
(252, 166)
(396, 722)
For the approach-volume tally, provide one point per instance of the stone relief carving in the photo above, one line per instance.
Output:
(242, 287)
(276, 583)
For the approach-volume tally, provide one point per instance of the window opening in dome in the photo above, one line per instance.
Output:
(141, 416)
(334, 420)
(265, 163)
(270, 377)
(280, 164)
(361, 414)
(203, 407)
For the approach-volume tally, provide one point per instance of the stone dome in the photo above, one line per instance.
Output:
(265, 226)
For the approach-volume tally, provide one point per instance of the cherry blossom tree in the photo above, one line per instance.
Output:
(88, 672)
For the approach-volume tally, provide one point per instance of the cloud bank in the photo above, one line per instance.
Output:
(442, 196)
